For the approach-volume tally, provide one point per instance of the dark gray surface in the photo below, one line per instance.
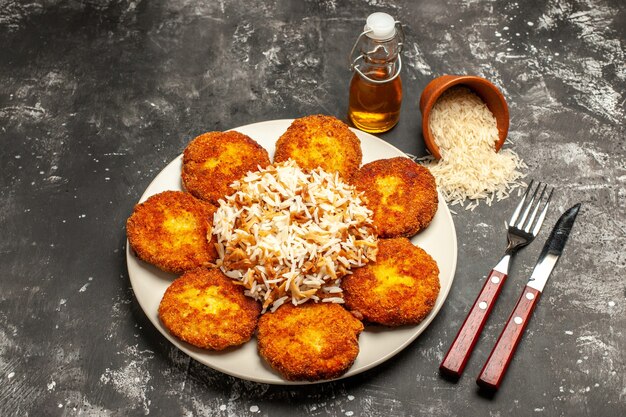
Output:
(96, 97)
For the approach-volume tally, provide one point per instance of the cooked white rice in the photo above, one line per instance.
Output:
(287, 235)
(466, 132)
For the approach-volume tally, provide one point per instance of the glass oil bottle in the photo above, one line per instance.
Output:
(376, 87)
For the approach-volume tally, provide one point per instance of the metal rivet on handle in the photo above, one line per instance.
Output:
(530, 295)
(495, 279)
(482, 305)
(518, 320)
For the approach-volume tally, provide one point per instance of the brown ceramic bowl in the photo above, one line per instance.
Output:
(488, 92)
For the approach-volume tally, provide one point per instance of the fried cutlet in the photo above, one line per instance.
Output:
(171, 230)
(207, 309)
(212, 161)
(309, 342)
(401, 193)
(320, 141)
(401, 287)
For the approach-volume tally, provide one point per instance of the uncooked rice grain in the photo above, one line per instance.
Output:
(466, 132)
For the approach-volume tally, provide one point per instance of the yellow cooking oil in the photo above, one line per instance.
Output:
(375, 108)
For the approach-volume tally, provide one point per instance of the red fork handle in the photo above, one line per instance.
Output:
(493, 372)
(455, 360)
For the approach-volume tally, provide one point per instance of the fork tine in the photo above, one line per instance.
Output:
(531, 219)
(528, 207)
(520, 205)
(542, 216)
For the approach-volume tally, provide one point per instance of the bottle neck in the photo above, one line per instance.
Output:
(378, 61)
(379, 52)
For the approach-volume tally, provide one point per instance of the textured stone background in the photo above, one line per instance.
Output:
(97, 96)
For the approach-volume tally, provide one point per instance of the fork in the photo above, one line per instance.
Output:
(522, 229)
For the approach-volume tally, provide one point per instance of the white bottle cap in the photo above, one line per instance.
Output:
(380, 26)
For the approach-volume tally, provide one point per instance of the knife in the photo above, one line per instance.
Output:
(493, 372)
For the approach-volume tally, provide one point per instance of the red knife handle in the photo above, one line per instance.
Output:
(455, 360)
(495, 367)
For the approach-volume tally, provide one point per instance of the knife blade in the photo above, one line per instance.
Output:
(552, 249)
(495, 368)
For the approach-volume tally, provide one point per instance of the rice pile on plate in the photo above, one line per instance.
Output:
(287, 235)
(466, 132)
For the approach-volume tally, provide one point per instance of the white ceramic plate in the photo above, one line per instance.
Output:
(377, 344)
